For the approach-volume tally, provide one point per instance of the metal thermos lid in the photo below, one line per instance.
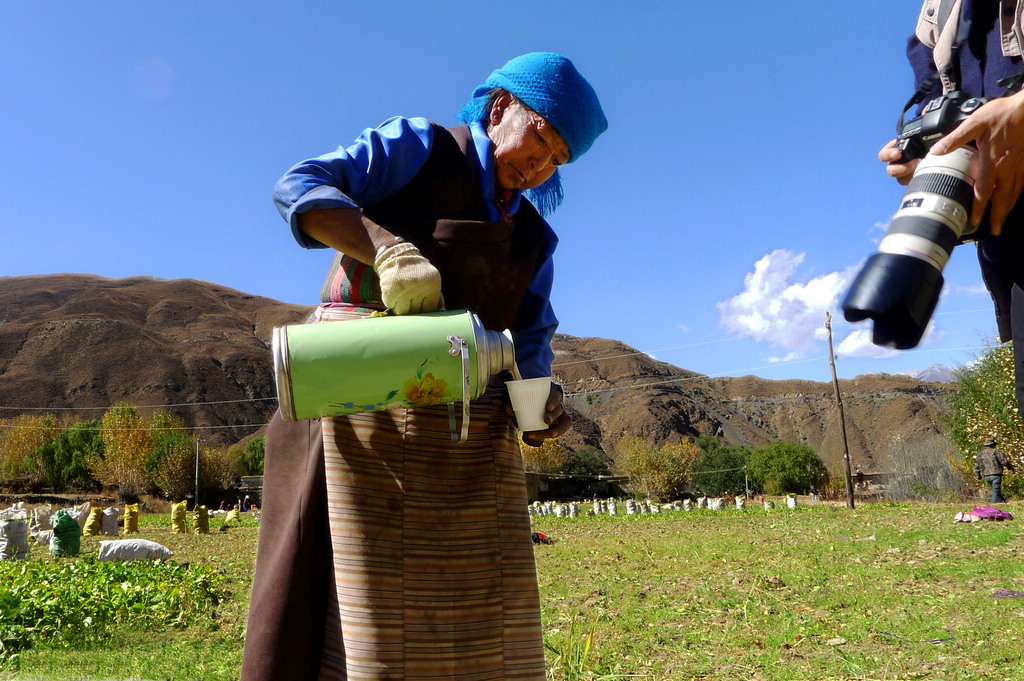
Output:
(495, 352)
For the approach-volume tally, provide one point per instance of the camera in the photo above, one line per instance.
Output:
(898, 287)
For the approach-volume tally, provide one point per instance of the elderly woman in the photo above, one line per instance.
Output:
(386, 551)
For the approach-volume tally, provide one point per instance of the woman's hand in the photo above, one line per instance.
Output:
(997, 128)
(901, 171)
(558, 420)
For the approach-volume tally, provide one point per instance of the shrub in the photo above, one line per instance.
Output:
(720, 469)
(171, 463)
(69, 452)
(657, 472)
(254, 450)
(784, 467)
(925, 470)
(23, 460)
(588, 461)
(985, 404)
(126, 446)
(549, 457)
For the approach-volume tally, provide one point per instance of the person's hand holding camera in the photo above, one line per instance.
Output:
(997, 128)
(901, 171)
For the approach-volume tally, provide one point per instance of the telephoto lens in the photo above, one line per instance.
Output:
(899, 286)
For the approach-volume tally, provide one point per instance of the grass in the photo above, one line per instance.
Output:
(882, 592)
(819, 593)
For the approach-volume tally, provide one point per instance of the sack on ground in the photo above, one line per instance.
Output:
(178, 513)
(109, 521)
(133, 549)
(94, 524)
(201, 520)
(67, 535)
(42, 518)
(14, 537)
(131, 518)
(81, 513)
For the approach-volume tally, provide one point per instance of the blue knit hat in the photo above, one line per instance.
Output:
(549, 84)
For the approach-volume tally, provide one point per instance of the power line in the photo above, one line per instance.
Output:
(9, 426)
(691, 378)
(649, 353)
(143, 406)
(725, 374)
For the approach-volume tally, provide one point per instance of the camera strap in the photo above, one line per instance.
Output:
(963, 28)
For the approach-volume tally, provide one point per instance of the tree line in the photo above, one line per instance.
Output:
(701, 466)
(120, 450)
(981, 404)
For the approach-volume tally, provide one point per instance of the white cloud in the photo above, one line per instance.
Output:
(771, 308)
(683, 327)
(791, 357)
(972, 290)
(858, 344)
(878, 231)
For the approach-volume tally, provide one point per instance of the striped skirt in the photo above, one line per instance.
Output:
(434, 574)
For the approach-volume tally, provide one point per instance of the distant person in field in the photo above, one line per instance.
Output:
(990, 465)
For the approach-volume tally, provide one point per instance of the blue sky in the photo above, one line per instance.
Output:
(733, 197)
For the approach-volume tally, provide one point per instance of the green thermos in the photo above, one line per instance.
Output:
(376, 363)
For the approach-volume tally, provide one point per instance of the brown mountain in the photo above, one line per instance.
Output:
(70, 342)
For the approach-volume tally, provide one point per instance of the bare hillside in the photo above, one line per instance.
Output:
(75, 341)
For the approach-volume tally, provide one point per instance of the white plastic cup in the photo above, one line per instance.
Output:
(529, 397)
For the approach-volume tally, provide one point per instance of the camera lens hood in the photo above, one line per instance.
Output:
(899, 293)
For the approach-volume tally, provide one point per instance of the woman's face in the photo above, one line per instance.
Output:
(527, 149)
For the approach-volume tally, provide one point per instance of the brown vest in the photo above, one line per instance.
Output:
(485, 266)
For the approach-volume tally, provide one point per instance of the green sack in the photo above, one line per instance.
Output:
(67, 535)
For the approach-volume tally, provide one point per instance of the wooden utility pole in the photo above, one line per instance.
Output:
(842, 419)
(197, 472)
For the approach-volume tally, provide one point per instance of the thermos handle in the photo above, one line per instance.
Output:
(460, 346)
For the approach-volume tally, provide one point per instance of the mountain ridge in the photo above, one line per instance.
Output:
(83, 342)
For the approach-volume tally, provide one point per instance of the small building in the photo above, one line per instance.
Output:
(564, 487)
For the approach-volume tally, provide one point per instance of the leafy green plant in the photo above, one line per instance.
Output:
(73, 603)
(570, 661)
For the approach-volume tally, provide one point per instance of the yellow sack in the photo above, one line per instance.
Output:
(178, 513)
(131, 518)
(201, 520)
(94, 525)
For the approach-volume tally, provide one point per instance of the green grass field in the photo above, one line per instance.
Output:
(882, 592)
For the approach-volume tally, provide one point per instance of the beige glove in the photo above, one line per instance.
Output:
(409, 284)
